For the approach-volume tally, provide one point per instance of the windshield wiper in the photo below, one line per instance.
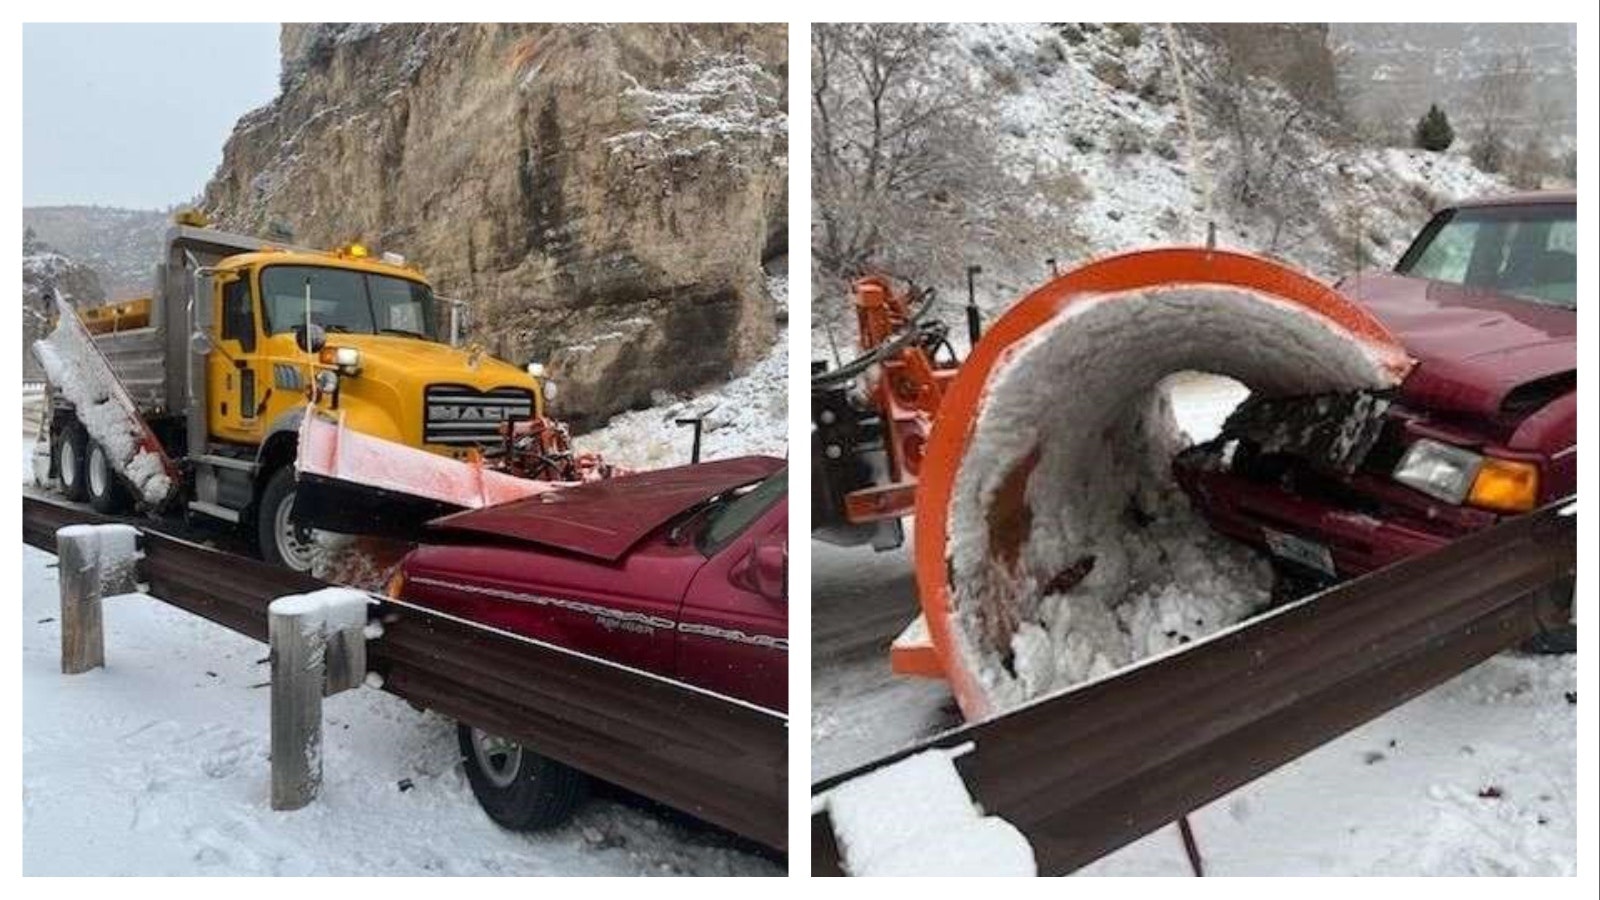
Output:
(416, 334)
(688, 516)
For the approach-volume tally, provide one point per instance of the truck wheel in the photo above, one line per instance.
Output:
(1558, 633)
(106, 492)
(280, 541)
(70, 452)
(518, 788)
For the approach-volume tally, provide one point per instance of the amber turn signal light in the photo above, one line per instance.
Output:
(1505, 485)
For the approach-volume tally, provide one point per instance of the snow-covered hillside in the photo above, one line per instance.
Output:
(120, 245)
(1089, 126)
(1098, 127)
(48, 273)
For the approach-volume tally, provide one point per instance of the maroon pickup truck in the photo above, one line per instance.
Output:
(678, 572)
(1485, 425)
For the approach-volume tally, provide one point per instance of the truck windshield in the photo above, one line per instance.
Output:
(343, 300)
(1529, 252)
(730, 517)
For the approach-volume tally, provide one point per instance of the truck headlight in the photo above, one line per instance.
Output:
(1439, 470)
(549, 388)
(327, 381)
(536, 369)
(348, 359)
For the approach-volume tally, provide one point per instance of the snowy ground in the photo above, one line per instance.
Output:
(1478, 776)
(748, 415)
(158, 765)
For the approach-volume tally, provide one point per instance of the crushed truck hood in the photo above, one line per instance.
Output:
(605, 519)
(1472, 346)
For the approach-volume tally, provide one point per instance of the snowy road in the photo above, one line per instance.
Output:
(1478, 776)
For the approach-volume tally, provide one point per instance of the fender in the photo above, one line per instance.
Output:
(271, 454)
(289, 421)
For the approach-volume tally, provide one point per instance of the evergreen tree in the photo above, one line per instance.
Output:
(1433, 132)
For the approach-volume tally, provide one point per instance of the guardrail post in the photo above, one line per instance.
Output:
(299, 648)
(93, 561)
(83, 644)
(318, 649)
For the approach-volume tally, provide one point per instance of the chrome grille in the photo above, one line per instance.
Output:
(462, 414)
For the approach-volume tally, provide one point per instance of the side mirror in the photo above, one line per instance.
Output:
(767, 568)
(201, 343)
(310, 340)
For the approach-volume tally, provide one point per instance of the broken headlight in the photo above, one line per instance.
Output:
(1438, 470)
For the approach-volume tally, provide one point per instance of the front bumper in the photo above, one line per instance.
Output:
(1357, 541)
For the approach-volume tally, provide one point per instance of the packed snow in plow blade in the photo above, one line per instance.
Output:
(1053, 544)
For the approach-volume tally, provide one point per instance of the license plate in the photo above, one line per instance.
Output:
(1299, 550)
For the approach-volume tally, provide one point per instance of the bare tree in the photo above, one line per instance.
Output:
(1502, 93)
(1498, 98)
(905, 173)
(1278, 134)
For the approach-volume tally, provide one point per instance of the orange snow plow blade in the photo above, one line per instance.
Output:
(912, 652)
(1056, 410)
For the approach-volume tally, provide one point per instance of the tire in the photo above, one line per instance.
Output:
(1558, 634)
(277, 540)
(71, 449)
(107, 494)
(520, 789)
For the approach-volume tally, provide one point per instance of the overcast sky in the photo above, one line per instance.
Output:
(135, 115)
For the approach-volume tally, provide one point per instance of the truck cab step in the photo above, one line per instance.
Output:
(215, 511)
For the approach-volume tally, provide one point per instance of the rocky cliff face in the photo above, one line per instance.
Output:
(603, 196)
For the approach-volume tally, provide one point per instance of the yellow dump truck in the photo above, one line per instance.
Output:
(238, 336)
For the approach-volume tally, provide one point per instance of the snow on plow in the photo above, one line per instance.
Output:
(1053, 545)
(77, 368)
(355, 483)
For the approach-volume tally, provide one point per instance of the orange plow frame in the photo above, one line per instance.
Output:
(933, 652)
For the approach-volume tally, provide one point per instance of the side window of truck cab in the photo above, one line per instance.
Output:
(238, 314)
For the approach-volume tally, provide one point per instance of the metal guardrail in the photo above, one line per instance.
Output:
(1086, 771)
(719, 759)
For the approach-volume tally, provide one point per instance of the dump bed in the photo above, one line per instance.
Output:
(152, 361)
